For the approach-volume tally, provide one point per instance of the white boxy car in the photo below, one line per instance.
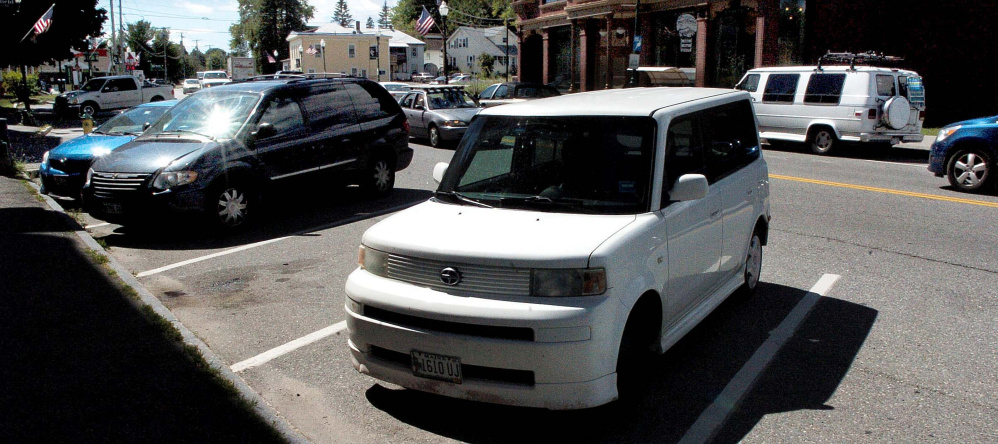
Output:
(822, 105)
(569, 236)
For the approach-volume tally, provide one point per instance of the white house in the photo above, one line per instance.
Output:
(356, 51)
(466, 46)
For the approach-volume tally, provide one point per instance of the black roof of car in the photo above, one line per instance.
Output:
(264, 83)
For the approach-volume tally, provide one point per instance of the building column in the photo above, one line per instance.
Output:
(583, 58)
(760, 40)
(519, 53)
(571, 56)
(701, 52)
(545, 57)
(609, 61)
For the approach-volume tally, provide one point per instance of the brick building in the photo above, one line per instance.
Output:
(583, 45)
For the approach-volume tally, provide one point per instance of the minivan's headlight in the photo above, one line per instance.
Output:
(567, 282)
(455, 123)
(169, 179)
(374, 261)
(946, 132)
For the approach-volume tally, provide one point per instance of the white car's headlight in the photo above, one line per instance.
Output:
(946, 132)
(567, 282)
(170, 179)
(374, 261)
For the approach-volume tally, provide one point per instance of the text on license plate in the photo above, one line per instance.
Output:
(112, 208)
(434, 366)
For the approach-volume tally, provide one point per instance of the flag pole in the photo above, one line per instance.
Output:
(47, 11)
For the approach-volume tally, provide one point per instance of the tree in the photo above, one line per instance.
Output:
(74, 22)
(138, 37)
(215, 59)
(370, 23)
(341, 14)
(264, 25)
(385, 17)
(486, 60)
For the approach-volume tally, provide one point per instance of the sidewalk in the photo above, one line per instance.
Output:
(84, 360)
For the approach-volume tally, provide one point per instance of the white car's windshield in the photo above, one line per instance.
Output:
(215, 75)
(577, 164)
(450, 98)
(210, 113)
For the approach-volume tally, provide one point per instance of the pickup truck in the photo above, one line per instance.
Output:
(422, 77)
(111, 92)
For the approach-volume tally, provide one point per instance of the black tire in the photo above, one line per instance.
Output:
(969, 170)
(91, 108)
(434, 136)
(753, 264)
(635, 358)
(822, 140)
(229, 205)
(379, 178)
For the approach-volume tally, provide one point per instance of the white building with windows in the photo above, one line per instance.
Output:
(466, 46)
(356, 51)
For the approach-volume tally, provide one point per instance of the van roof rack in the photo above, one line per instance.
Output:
(293, 77)
(853, 58)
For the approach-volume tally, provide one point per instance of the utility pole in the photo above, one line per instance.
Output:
(166, 47)
(113, 40)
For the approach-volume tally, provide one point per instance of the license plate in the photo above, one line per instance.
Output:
(112, 208)
(434, 366)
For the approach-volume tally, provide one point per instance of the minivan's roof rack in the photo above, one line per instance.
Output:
(853, 58)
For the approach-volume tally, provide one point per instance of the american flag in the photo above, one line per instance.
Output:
(311, 50)
(45, 22)
(425, 22)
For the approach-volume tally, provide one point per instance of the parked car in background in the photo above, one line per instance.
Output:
(570, 238)
(214, 78)
(397, 89)
(439, 113)
(422, 77)
(218, 151)
(191, 86)
(439, 80)
(823, 105)
(64, 168)
(109, 93)
(966, 153)
(512, 92)
(462, 79)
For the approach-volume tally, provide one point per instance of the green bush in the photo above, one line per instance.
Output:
(12, 81)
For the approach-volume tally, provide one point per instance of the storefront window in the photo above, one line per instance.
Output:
(674, 40)
(791, 34)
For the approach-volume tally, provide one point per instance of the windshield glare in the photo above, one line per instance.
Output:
(450, 98)
(600, 165)
(213, 113)
(131, 121)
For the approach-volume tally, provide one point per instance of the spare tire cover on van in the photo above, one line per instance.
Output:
(897, 111)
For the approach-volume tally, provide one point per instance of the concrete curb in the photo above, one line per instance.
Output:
(260, 405)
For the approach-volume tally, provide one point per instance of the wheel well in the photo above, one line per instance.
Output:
(762, 227)
(156, 98)
(234, 175)
(645, 319)
(817, 126)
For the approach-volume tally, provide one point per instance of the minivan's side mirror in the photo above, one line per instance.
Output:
(689, 187)
(146, 125)
(438, 171)
(264, 130)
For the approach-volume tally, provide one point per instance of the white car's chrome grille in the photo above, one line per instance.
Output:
(474, 278)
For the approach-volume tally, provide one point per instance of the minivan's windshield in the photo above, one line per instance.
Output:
(212, 113)
(577, 164)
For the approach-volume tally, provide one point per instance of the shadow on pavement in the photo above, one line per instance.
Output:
(900, 154)
(83, 364)
(687, 379)
(287, 212)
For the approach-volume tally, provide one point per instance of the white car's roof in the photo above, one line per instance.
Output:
(830, 68)
(610, 102)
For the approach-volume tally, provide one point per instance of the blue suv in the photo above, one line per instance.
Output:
(965, 153)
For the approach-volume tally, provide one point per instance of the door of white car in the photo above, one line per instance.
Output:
(694, 227)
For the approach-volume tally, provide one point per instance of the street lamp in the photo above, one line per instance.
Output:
(322, 46)
(301, 50)
(377, 39)
(444, 9)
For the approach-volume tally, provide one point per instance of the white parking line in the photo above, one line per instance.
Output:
(270, 241)
(712, 419)
(268, 355)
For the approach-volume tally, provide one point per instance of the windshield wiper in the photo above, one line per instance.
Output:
(543, 201)
(462, 198)
(185, 131)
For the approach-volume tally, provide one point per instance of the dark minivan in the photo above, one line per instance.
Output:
(216, 151)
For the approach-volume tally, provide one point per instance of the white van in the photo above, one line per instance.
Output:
(822, 105)
(569, 236)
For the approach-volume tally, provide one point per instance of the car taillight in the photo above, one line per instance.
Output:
(872, 114)
(405, 125)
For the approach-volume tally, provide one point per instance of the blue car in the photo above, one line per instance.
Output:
(64, 168)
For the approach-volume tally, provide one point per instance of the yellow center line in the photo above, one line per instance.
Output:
(888, 191)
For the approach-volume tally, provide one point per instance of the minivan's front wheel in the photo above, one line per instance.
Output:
(380, 177)
(969, 170)
(822, 140)
(230, 205)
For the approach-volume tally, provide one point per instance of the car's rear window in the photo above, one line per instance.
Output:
(824, 88)
(781, 88)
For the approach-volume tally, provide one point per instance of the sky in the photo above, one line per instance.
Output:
(205, 23)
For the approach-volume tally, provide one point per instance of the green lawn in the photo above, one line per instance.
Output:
(930, 131)
(9, 101)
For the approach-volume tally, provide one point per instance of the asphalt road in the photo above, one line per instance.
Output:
(901, 348)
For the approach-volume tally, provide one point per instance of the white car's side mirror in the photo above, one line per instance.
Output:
(689, 187)
(438, 171)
